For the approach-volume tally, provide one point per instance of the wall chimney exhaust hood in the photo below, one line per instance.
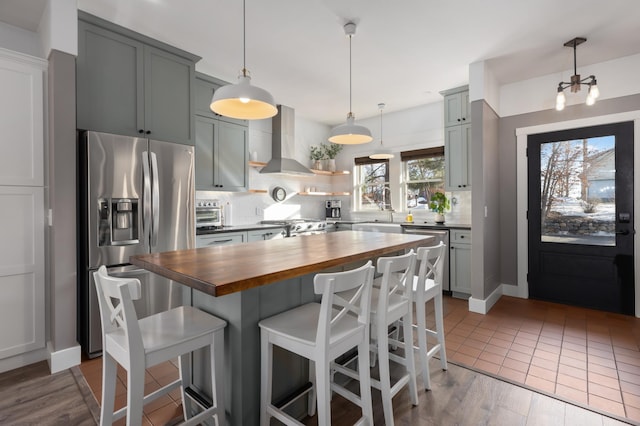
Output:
(283, 145)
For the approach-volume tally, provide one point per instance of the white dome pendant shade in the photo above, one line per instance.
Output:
(350, 133)
(381, 153)
(242, 100)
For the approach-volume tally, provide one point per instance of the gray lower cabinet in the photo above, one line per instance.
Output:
(266, 234)
(131, 85)
(221, 155)
(211, 240)
(460, 263)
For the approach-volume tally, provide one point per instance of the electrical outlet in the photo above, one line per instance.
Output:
(259, 211)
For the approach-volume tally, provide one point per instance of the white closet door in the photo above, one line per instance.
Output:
(21, 270)
(21, 119)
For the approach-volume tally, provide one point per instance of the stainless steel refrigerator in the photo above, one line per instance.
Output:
(135, 196)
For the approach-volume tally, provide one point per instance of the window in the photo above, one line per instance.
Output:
(423, 174)
(372, 184)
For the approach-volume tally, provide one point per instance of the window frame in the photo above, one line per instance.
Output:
(358, 184)
(419, 154)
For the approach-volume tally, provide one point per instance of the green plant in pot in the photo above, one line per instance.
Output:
(439, 203)
(330, 152)
(317, 154)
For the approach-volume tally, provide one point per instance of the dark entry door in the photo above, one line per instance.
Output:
(580, 217)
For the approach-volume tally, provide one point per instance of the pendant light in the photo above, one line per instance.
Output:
(350, 133)
(242, 100)
(381, 153)
(576, 82)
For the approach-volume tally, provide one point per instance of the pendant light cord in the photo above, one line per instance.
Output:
(244, 38)
(350, 107)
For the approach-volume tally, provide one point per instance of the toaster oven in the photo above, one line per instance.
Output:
(208, 214)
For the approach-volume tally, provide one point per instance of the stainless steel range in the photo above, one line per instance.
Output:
(299, 227)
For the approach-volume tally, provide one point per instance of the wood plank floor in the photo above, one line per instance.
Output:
(32, 396)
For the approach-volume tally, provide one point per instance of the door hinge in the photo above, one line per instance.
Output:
(527, 277)
(527, 215)
(526, 152)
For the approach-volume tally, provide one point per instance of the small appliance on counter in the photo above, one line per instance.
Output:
(332, 209)
(208, 214)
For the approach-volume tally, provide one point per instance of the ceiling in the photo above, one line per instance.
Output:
(403, 53)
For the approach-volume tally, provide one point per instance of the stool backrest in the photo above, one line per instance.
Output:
(431, 265)
(358, 303)
(115, 299)
(397, 278)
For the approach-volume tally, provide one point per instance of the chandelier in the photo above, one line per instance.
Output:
(576, 82)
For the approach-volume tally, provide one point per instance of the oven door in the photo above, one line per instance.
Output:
(208, 216)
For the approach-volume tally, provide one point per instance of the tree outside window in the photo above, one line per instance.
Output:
(424, 175)
(372, 188)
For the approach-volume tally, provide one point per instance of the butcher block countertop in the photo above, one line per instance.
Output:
(222, 270)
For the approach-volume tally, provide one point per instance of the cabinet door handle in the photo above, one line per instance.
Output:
(141, 131)
(220, 241)
(463, 119)
(148, 132)
(458, 119)
(461, 236)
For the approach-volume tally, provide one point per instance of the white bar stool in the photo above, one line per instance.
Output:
(138, 344)
(391, 302)
(321, 332)
(427, 285)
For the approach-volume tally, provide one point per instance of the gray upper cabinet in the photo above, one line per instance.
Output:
(221, 155)
(132, 85)
(457, 139)
(456, 107)
(222, 143)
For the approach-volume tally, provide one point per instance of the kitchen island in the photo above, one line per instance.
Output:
(244, 283)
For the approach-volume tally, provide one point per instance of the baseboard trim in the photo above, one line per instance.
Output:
(63, 359)
(512, 290)
(482, 306)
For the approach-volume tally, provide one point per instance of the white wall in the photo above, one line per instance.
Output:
(616, 78)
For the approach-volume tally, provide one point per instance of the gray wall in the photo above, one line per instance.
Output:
(507, 167)
(485, 185)
(62, 197)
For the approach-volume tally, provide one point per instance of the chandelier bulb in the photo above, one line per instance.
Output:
(594, 92)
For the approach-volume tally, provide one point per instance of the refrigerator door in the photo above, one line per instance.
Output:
(172, 196)
(114, 199)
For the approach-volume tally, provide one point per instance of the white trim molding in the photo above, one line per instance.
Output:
(521, 179)
(482, 306)
(63, 359)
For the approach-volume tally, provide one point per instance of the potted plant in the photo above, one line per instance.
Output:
(331, 151)
(317, 154)
(439, 203)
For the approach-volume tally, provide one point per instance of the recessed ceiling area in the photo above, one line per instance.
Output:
(25, 14)
(404, 53)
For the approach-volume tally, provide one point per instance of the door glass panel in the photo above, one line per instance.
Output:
(577, 191)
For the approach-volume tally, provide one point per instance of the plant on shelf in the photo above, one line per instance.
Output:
(331, 151)
(316, 155)
(439, 203)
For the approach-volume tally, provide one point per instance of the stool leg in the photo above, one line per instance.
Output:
(135, 392)
(266, 360)
(385, 378)
(109, 374)
(323, 389)
(185, 378)
(365, 380)
(410, 364)
(217, 376)
(440, 330)
(311, 399)
(422, 343)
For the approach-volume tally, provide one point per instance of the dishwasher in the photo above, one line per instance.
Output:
(440, 235)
